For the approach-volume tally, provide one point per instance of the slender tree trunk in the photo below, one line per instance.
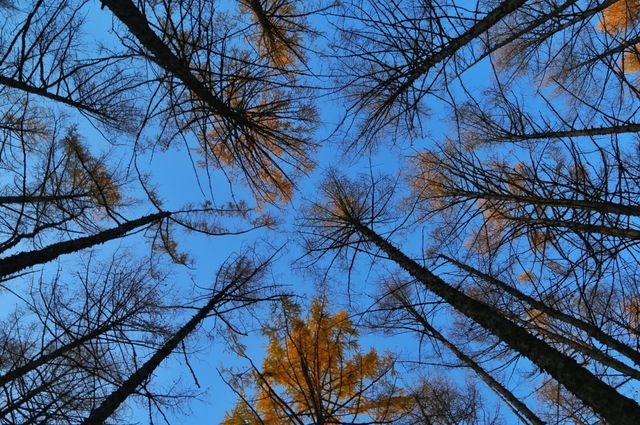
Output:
(624, 46)
(491, 48)
(26, 87)
(23, 260)
(590, 351)
(518, 407)
(39, 361)
(580, 17)
(625, 233)
(591, 330)
(127, 12)
(579, 132)
(492, 18)
(603, 399)
(34, 199)
(603, 207)
(117, 397)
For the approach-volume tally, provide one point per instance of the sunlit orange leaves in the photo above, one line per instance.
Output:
(616, 19)
(314, 370)
(619, 16)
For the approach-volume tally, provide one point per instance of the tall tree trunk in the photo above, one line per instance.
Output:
(518, 407)
(577, 132)
(117, 397)
(127, 12)
(586, 349)
(603, 399)
(28, 88)
(591, 330)
(602, 207)
(23, 260)
(522, 30)
(34, 199)
(621, 232)
(44, 358)
(446, 52)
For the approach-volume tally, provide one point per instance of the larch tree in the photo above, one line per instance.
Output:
(243, 110)
(57, 196)
(237, 285)
(314, 371)
(526, 200)
(345, 220)
(402, 308)
(63, 350)
(254, 122)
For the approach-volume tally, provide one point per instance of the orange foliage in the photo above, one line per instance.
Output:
(538, 318)
(89, 174)
(315, 370)
(501, 199)
(258, 153)
(526, 276)
(617, 18)
(632, 311)
(620, 16)
(430, 183)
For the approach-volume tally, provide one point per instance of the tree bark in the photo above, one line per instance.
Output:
(23, 260)
(518, 407)
(446, 52)
(591, 330)
(117, 397)
(600, 206)
(578, 132)
(603, 399)
(135, 21)
(620, 232)
(588, 350)
(524, 30)
(34, 199)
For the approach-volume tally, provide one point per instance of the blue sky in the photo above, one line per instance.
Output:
(172, 173)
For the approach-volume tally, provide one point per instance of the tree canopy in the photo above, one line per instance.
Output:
(314, 371)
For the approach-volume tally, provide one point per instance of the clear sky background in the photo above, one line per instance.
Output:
(173, 174)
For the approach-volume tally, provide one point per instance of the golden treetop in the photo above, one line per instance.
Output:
(315, 370)
(617, 19)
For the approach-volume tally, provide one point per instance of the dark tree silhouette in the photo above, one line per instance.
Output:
(347, 219)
